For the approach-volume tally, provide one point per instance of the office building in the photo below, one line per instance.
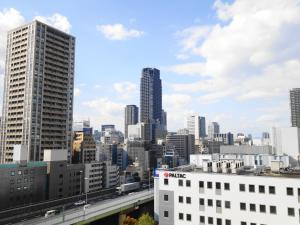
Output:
(131, 117)
(164, 120)
(196, 126)
(286, 140)
(213, 128)
(142, 131)
(110, 135)
(110, 175)
(201, 196)
(83, 147)
(295, 107)
(81, 125)
(64, 180)
(38, 90)
(265, 138)
(93, 176)
(225, 138)
(184, 145)
(22, 183)
(105, 127)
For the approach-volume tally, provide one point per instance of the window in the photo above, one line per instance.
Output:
(262, 208)
(226, 186)
(273, 209)
(243, 223)
(289, 191)
(180, 199)
(218, 185)
(227, 222)
(227, 204)
(252, 207)
(219, 221)
(12, 173)
(291, 211)
(180, 216)
(201, 184)
(201, 201)
(20, 172)
(188, 183)
(251, 188)
(209, 202)
(242, 187)
(271, 190)
(261, 189)
(188, 200)
(252, 223)
(243, 206)
(209, 184)
(166, 213)
(166, 197)
(188, 217)
(210, 220)
(218, 203)
(298, 191)
(166, 182)
(180, 182)
(202, 219)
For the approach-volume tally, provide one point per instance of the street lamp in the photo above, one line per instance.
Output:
(149, 179)
(80, 183)
(86, 191)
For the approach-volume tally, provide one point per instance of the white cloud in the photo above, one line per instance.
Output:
(252, 53)
(118, 32)
(56, 20)
(125, 89)
(9, 19)
(103, 110)
(77, 92)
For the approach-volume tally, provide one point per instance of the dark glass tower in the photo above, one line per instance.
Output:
(131, 117)
(150, 96)
(295, 107)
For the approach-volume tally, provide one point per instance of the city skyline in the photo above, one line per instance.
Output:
(245, 92)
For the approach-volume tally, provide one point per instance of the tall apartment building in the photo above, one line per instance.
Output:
(213, 128)
(295, 106)
(194, 196)
(131, 117)
(38, 90)
(196, 126)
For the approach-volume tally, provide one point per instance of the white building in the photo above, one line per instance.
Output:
(206, 198)
(93, 174)
(213, 128)
(286, 140)
(111, 174)
(196, 126)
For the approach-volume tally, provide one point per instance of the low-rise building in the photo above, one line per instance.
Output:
(191, 196)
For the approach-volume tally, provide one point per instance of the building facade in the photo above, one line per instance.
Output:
(295, 107)
(206, 198)
(38, 90)
(196, 126)
(22, 183)
(83, 147)
(213, 128)
(131, 117)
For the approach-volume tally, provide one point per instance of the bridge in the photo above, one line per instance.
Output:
(96, 211)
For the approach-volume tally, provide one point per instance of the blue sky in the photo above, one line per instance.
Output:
(231, 61)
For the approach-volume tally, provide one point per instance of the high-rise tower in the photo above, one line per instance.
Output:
(131, 117)
(295, 106)
(150, 96)
(38, 90)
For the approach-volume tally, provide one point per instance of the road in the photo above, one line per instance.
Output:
(24, 213)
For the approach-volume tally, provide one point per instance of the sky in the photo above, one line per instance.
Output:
(230, 61)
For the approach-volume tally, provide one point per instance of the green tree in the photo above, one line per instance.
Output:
(145, 219)
(129, 221)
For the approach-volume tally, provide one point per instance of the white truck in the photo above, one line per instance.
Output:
(125, 188)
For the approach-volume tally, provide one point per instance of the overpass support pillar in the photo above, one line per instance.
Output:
(122, 217)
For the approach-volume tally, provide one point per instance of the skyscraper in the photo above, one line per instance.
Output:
(151, 100)
(38, 90)
(213, 128)
(295, 107)
(131, 117)
(150, 96)
(196, 126)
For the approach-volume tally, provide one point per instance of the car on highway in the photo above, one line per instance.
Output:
(50, 213)
(86, 206)
(80, 202)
